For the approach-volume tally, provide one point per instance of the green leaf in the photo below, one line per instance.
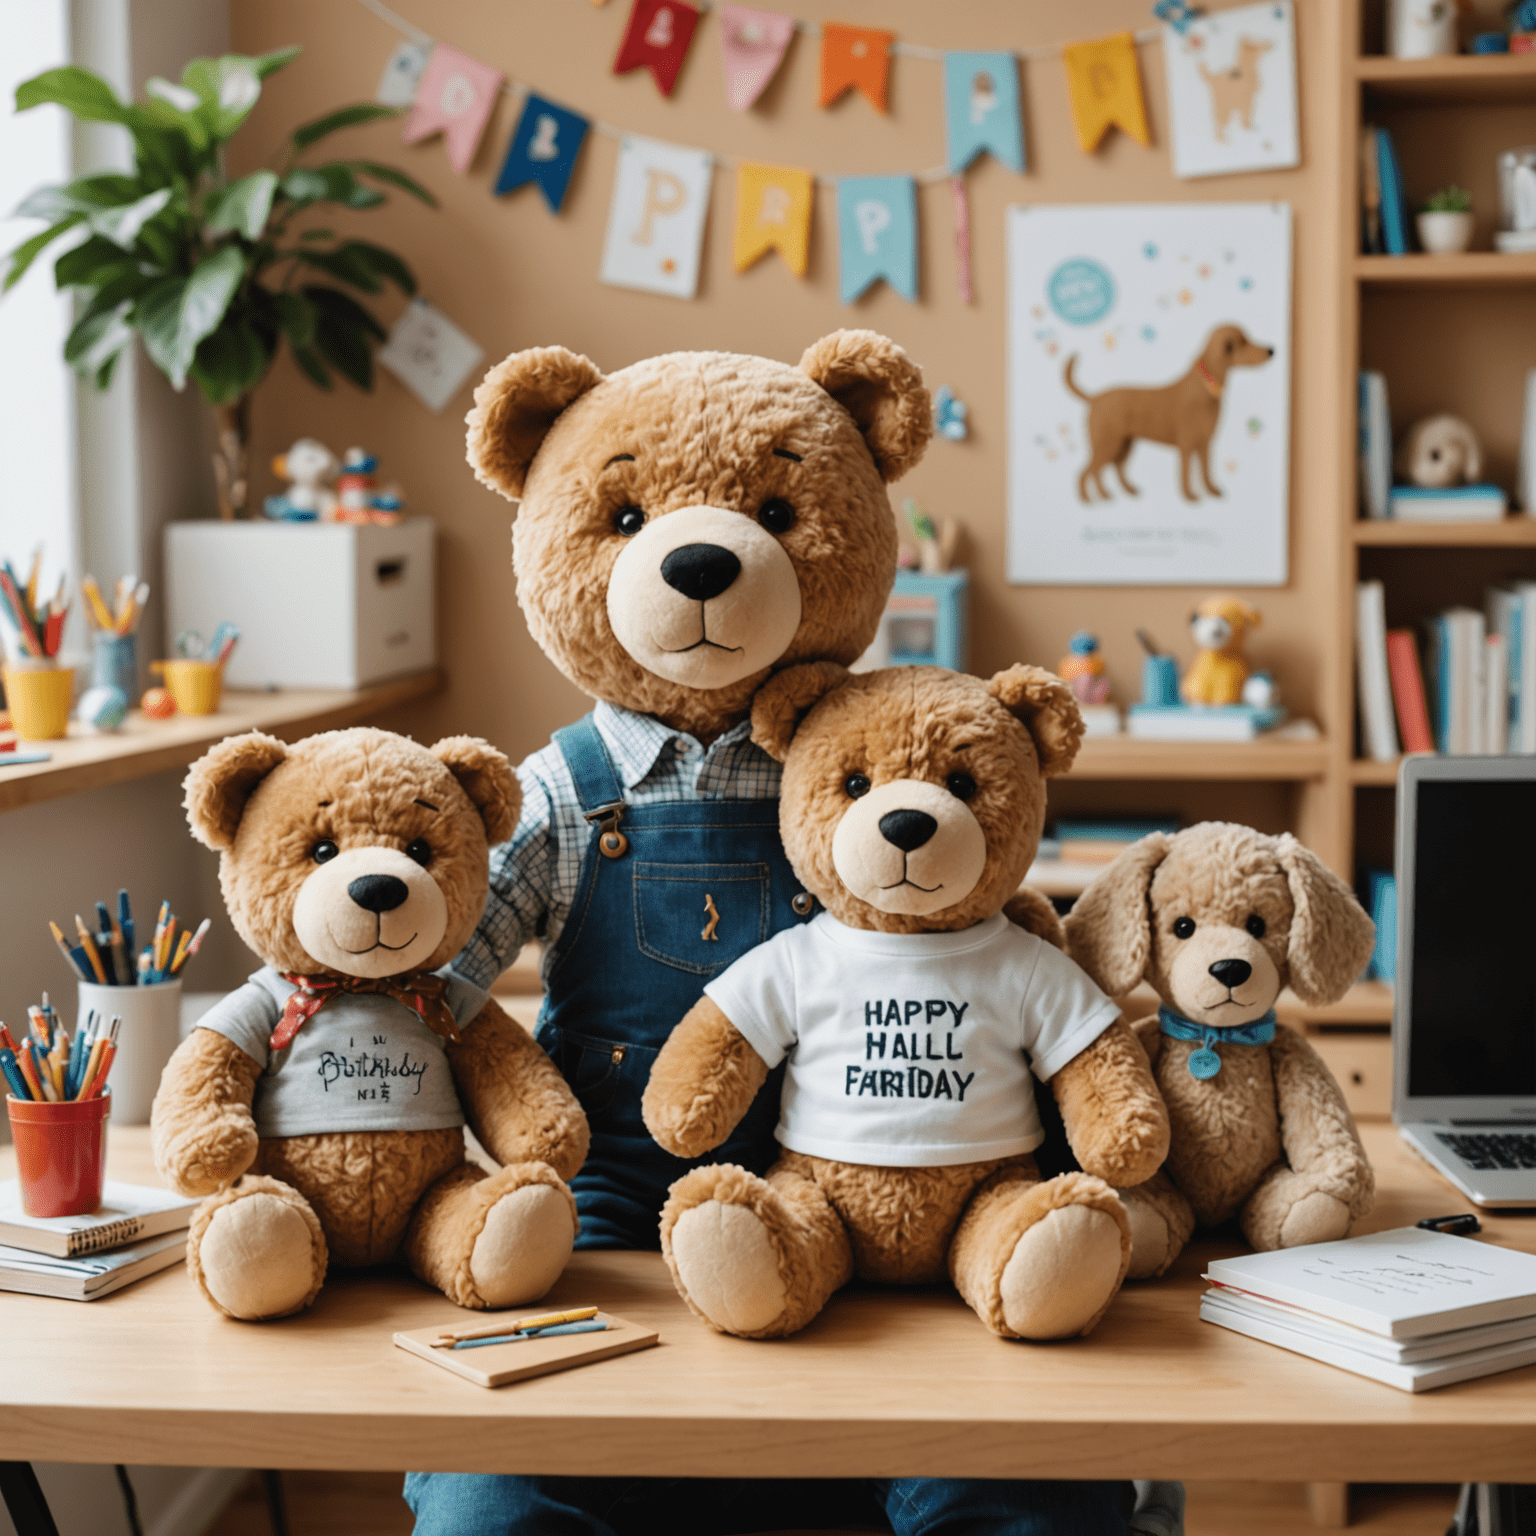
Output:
(104, 373)
(267, 63)
(243, 205)
(391, 177)
(122, 225)
(27, 252)
(346, 350)
(297, 317)
(89, 264)
(343, 307)
(318, 234)
(84, 195)
(178, 110)
(344, 117)
(305, 185)
(312, 365)
(77, 90)
(345, 266)
(178, 312)
(227, 88)
(383, 263)
(229, 363)
(98, 337)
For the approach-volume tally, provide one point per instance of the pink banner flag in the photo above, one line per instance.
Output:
(753, 44)
(456, 97)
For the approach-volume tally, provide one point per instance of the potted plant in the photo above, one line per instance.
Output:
(208, 271)
(1445, 222)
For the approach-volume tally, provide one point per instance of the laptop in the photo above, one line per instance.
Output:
(1464, 1012)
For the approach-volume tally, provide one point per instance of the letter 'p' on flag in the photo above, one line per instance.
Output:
(656, 219)
(773, 213)
(456, 96)
(877, 234)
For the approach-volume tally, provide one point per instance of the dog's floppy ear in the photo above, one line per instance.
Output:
(1048, 710)
(787, 698)
(1109, 929)
(485, 775)
(1331, 936)
(220, 782)
(515, 406)
(881, 388)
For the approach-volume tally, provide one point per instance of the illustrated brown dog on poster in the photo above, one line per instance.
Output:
(1182, 414)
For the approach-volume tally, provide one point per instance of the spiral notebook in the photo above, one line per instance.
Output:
(128, 1213)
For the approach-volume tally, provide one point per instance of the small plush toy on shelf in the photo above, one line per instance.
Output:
(359, 498)
(1219, 671)
(309, 467)
(1083, 670)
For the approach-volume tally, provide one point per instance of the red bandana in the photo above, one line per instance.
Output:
(420, 991)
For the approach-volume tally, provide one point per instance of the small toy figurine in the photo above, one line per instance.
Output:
(1083, 670)
(1259, 692)
(103, 708)
(936, 540)
(1218, 625)
(1440, 451)
(949, 415)
(157, 704)
(307, 466)
(358, 497)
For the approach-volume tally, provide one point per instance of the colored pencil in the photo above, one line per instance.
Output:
(88, 944)
(125, 919)
(64, 949)
(521, 1325)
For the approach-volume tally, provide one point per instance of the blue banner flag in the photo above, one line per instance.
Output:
(543, 149)
(877, 234)
(981, 109)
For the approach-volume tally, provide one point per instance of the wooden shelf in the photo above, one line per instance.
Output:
(1063, 877)
(83, 761)
(1470, 269)
(1518, 532)
(1124, 757)
(1460, 78)
(1366, 770)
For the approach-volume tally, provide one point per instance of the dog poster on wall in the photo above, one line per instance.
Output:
(1232, 91)
(1149, 393)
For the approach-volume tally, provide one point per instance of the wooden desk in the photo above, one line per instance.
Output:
(886, 1382)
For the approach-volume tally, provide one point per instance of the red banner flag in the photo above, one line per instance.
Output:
(657, 38)
(857, 58)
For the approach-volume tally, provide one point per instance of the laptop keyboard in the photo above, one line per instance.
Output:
(1501, 1150)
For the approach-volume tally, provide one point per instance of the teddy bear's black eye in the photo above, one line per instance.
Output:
(1255, 925)
(1183, 927)
(629, 520)
(324, 851)
(419, 849)
(777, 516)
(855, 784)
(961, 785)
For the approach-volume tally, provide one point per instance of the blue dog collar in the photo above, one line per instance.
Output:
(1206, 1062)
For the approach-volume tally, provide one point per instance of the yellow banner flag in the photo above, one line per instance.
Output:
(1105, 86)
(773, 213)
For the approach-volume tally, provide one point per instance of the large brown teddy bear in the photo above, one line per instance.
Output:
(1218, 918)
(912, 1012)
(321, 1107)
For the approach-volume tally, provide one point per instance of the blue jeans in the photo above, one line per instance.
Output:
(473, 1504)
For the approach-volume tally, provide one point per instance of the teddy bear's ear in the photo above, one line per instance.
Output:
(1331, 936)
(1033, 912)
(219, 783)
(881, 388)
(516, 405)
(485, 775)
(1048, 709)
(1109, 929)
(786, 698)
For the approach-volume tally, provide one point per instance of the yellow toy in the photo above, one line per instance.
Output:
(1218, 625)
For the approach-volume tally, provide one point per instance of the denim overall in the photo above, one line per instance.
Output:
(641, 941)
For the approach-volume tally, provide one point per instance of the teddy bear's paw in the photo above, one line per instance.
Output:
(259, 1256)
(1151, 1240)
(728, 1268)
(523, 1246)
(1315, 1218)
(1062, 1274)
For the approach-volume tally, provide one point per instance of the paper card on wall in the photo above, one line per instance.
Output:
(877, 234)
(1232, 91)
(656, 221)
(429, 354)
(981, 108)
(456, 98)
(752, 45)
(543, 149)
(402, 75)
(1104, 84)
(773, 213)
(657, 38)
(1148, 418)
(855, 58)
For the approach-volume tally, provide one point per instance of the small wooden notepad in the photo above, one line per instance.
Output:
(497, 1365)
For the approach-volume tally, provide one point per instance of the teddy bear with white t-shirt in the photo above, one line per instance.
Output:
(913, 1011)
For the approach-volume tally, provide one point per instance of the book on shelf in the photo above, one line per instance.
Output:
(1495, 694)
(1375, 436)
(1090, 840)
(1457, 678)
(1370, 194)
(1381, 903)
(1448, 503)
(1195, 722)
(128, 1213)
(1394, 201)
(1378, 731)
(1510, 612)
(1408, 691)
(89, 1276)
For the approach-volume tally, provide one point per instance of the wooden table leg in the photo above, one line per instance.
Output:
(1329, 1503)
(24, 1500)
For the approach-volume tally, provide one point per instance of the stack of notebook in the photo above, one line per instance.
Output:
(1410, 1308)
(135, 1232)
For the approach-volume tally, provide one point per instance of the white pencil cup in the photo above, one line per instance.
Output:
(150, 1032)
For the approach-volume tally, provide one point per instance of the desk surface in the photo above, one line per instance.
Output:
(885, 1382)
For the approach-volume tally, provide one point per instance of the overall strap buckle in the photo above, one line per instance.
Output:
(611, 843)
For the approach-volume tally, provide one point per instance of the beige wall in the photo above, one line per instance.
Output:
(515, 276)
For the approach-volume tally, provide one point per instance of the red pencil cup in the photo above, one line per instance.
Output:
(61, 1154)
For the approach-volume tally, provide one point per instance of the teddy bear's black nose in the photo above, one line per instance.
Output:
(907, 829)
(1231, 973)
(378, 893)
(700, 571)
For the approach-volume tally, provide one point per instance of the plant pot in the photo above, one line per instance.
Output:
(1445, 234)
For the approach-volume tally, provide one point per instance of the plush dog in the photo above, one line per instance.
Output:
(321, 1107)
(1219, 671)
(1438, 452)
(912, 806)
(1183, 414)
(1218, 918)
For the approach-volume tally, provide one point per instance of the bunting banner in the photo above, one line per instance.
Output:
(855, 58)
(1104, 83)
(981, 109)
(877, 234)
(543, 149)
(656, 221)
(773, 213)
(752, 44)
(455, 98)
(402, 75)
(657, 39)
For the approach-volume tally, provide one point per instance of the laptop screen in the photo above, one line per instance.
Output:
(1473, 1008)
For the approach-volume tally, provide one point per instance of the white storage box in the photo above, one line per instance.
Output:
(318, 605)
